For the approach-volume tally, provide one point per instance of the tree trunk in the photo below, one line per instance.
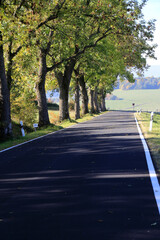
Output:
(10, 64)
(10, 56)
(63, 100)
(92, 100)
(77, 103)
(103, 103)
(5, 115)
(96, 100)
(64, 82)
(84, 94)
(40, 90)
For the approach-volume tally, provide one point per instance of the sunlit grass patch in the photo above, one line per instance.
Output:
(31, 133)
(17, 137)
(53, 116)
(152, 137)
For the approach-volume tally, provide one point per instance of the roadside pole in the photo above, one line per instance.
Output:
(133, 105)
(22, 129)
(151, 122)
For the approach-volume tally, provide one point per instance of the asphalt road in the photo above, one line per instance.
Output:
(88, 182)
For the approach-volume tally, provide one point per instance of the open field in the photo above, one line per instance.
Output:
(147, 100)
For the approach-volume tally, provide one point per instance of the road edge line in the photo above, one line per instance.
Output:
(34, 139)
(151, 169)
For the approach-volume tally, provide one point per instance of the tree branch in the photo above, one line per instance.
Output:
(76, 55)
(18, 8)
(16, 52)
(55, 13)
(49, 42)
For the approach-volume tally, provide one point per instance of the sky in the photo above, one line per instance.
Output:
(152, 11)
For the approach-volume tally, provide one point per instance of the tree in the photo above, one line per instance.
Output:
(80, 77)
(62, 32)
(97, 22)
(8, 31)
(88, 29)
(45, 43)
(5, 116)
(32, 20)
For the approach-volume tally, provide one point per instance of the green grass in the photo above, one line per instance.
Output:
(153, 137)
(17, 138)
(147, 100)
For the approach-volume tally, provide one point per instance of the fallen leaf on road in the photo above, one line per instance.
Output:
(154, 224)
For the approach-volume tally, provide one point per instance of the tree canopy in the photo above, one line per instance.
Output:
(44, 42)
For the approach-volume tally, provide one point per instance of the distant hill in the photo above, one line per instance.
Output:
(140, 83)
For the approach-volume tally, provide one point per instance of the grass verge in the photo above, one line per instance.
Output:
(153, 137)
(17, 138)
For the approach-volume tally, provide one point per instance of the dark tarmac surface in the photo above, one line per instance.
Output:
(88, 182)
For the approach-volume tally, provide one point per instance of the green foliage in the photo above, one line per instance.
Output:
(107, 39)
(22, 109)
(22, 103)
(71, 105)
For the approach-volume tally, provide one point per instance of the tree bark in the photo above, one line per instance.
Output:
(77, 103)
(103, 104)
(64, 82)
(63, 100)
(5, 115)
(96, 100)
(10, 64)
(11, 55)
(92, 100)
(84, 94)
(40, 91)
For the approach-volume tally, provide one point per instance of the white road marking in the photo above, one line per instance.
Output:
(72, 126)
(4, 150)
(151, 169)
(35, 139)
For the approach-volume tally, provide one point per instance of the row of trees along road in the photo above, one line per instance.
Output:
(80, 43)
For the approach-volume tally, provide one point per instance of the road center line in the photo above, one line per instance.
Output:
(151, 169)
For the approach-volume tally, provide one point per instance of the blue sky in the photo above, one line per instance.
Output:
(152, 11)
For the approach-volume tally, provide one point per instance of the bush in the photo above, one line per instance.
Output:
(71, 105)
(53, 106)
(23, 108)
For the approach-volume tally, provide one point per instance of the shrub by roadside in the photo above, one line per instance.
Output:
(17, 138)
